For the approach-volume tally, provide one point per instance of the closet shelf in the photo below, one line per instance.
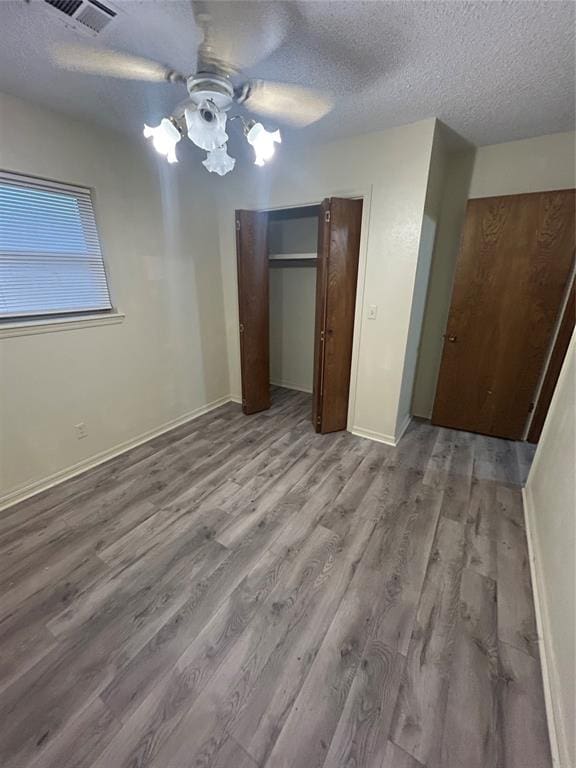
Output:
(291, 256)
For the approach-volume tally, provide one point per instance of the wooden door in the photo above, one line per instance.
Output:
(514, 263)
(558, 353)
(252, 256)
(338, 256)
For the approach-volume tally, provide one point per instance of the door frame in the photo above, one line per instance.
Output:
(364, 194)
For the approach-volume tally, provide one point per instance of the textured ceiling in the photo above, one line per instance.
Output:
(493, 71)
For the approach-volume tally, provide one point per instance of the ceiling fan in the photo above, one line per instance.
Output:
(216, 86)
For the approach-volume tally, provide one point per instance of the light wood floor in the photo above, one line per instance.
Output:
(242, 592)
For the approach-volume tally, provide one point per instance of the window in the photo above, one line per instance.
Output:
(50, 257)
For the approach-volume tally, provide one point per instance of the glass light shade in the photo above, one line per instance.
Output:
(164, 138)
(206, 135)
(263, 142)
(219, 161)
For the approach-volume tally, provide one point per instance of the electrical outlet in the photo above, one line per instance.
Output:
(372, 311)
(81, 430)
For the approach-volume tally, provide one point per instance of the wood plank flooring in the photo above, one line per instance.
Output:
(242, 592)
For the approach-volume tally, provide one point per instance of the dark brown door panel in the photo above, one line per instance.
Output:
(338, 257)
(514, 263)
(252, 255)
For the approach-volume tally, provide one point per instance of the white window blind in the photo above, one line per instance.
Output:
(50, 257)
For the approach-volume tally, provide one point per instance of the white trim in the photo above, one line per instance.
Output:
(378, 437)
(366, 195)
(50, 325)
(403, 428)
(25, 179)
(558, 742)
(37, 486)
(288, 385)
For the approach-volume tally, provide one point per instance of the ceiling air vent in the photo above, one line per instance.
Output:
(69, 7)
(88, 16)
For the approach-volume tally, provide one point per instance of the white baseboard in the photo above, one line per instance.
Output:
(23, 492)
(558, 740)
(380, 437)
(403, 427)
(289, 385)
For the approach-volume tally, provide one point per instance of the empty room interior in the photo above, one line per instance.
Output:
(287, 384)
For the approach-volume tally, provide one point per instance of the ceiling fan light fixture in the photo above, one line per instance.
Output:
(263, 142)
(164, 137)
(219, 161)
(216, 85)
(206, 126)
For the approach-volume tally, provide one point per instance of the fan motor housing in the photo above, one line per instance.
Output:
(212, 88)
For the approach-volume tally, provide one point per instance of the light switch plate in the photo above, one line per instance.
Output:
(372, 311)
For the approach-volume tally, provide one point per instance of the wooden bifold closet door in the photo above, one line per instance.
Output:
(252, 258)
(512, 272)
(338, 256)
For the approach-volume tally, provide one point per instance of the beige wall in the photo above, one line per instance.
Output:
(428, 236)
(168, 358)
(293, 235)
(453, 208)
(390, 169)
(551, 515)
(533, 165)
(292, 316)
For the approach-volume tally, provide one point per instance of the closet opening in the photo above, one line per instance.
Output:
(292, 270)
(297, 276)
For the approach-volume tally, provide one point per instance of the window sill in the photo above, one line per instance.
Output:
(72, 323)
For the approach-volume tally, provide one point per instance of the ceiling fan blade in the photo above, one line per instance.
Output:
(109, 63)
(292, 104)
(238, 34)
(208, 59)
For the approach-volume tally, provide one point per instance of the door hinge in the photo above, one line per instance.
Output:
(237, 225)
(327, 216)
(530, 407)
(241, 327)
(321, 335)
(244, 401)
(318, 419)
